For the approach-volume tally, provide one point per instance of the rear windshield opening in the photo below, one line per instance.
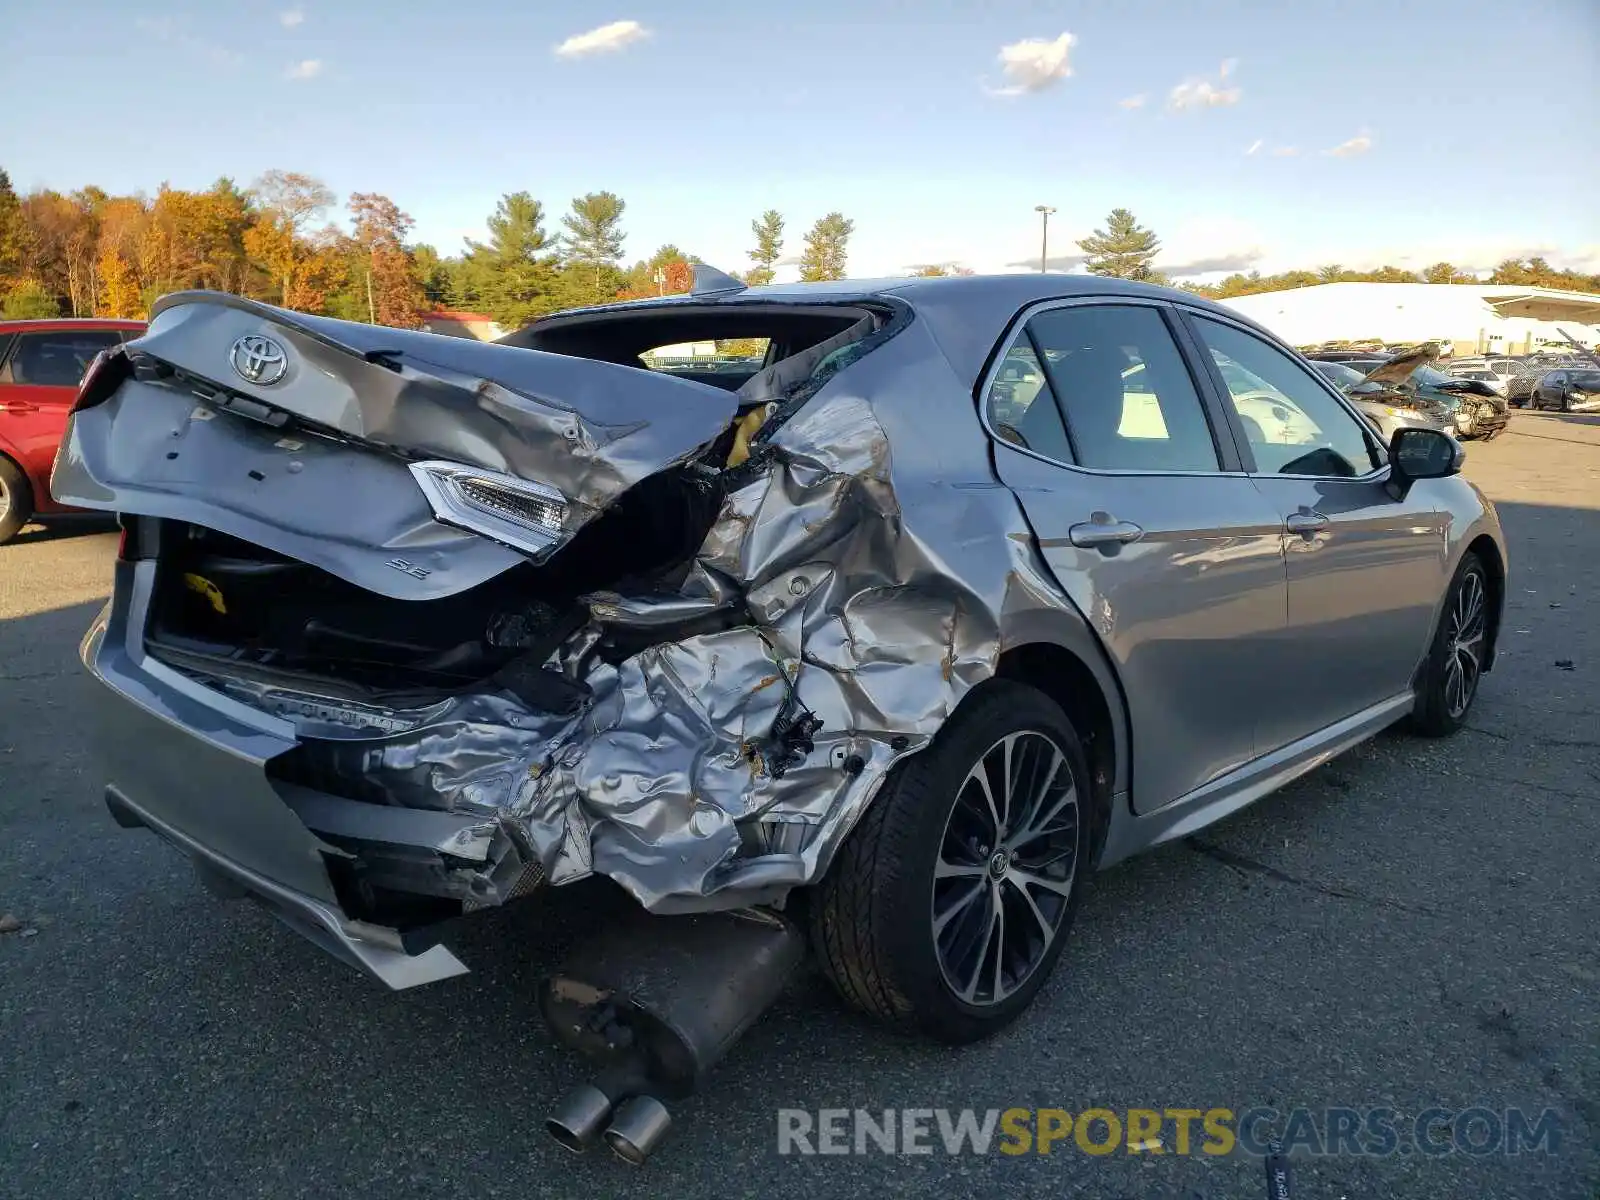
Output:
(724, 345)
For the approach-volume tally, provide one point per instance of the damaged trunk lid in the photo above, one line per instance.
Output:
(413, 465)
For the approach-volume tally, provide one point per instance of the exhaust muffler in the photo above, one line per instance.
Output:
(657, 1002)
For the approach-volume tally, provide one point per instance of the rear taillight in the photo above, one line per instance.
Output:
(124, 544)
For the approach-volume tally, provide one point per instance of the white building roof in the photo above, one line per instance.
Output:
(1414, 312)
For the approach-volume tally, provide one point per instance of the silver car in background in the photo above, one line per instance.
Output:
(878, 647)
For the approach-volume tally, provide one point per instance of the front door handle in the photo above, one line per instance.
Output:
(17, 406)
(1305, 522)
(1104, 532)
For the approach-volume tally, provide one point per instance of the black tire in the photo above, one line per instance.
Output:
(16, 500)
(1441, 707)
(874, 917)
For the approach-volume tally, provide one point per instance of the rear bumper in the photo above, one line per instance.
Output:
(375, 949)
(190, 765)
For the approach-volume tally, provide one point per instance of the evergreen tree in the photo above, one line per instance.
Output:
(513, 277)
(768, 229)
(593, 240)
(1123, 249)
(827, 248)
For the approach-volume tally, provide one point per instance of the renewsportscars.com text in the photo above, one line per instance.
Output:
(1372, 1132)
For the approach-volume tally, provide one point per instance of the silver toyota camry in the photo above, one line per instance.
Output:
(874, 646)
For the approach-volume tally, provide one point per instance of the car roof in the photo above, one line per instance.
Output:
(966, 313)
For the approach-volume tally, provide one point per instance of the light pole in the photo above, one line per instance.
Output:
(1044, 211)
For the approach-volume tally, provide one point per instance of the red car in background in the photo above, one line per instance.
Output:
(41, 365)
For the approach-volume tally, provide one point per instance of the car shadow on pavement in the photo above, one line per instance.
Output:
(56, 528)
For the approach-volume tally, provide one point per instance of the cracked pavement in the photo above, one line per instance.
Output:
(1413, 924)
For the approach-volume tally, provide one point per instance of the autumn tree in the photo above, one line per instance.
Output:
(1124, 249)
(768, 228)
(1388, 274)
(13, 230)
(1443, 272)
(394, 297)
(289, 203)
(119, 288)
(59, 250)
(295, 199)
(29, 300)
(827, 248)
(593, 241)
(667, 272)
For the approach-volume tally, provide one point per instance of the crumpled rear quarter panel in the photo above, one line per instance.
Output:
(880, 560)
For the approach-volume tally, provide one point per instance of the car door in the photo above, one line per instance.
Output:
(39, 379)
(1145, 518)
(1550, 389)
(1364, 570)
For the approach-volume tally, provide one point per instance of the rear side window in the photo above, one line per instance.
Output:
(1022, 409)
(58, 358)
(1127, 397)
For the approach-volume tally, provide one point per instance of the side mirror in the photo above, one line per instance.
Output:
(1421, 454)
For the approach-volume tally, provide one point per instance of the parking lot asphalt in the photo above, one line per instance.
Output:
(1415, 924)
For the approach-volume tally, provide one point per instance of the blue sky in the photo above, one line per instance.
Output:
(1468, 128)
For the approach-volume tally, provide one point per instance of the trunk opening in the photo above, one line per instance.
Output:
(225, 606)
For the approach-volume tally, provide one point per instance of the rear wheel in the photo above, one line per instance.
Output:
(949, 904)
(16, 499)
(1449, 681)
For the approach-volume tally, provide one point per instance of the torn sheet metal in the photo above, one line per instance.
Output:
(874, 559)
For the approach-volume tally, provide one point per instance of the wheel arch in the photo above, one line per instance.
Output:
(1095, 709)
(33, 485)
(1494, 566)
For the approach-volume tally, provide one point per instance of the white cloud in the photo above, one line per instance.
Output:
(1359, 144)
(1210, 245)
(1255, 145)
(1034, 64)
(1133, 101)
(291, 17)
(165, 29)
(308, 68)
(604, 40)
(1202, 93)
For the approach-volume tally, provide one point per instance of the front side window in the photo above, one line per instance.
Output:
(1293, 425)
(1129, 402)
(59, 359)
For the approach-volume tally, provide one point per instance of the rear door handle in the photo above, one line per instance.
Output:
(1306, 521)
(1104, 532)
(17, 406)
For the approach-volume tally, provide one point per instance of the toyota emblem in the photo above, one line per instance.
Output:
(258, 360)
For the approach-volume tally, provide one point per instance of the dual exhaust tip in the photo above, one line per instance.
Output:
(632, 1127)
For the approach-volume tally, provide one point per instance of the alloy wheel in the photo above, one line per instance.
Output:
(1465, 632)
(1006, 867)
(5, 499)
